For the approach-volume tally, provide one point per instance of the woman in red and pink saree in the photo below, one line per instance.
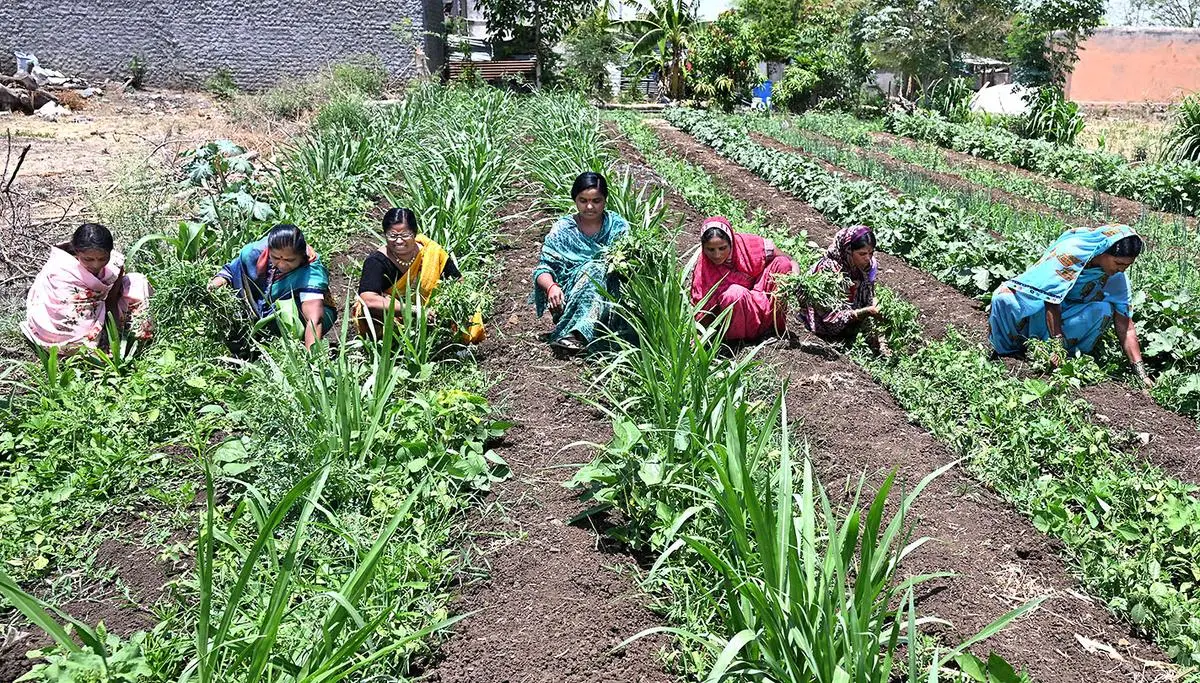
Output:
(82, 284)
(737, 271)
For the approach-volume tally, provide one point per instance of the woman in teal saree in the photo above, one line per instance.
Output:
(571, 271)
(280, 276)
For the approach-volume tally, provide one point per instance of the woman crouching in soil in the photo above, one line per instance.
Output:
(571, 268)
(81, 287)
(407, 259)
(1072, 294)
(280, 276)
(851, 256)
(737, 271)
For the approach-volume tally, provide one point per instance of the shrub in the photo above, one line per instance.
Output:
(724, 61)
(1051, 117)
(290, 100)
(1182, 142)
(364, 76)
(348, 112)
(950, 97)
(222, 84)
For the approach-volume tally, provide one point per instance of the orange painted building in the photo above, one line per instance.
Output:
(1136, 64)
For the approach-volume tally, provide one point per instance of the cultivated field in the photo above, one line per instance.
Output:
(397, 511)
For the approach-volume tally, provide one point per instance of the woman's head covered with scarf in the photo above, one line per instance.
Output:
(853, 249)
(716, 239)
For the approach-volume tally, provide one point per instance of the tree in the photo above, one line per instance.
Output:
(591, 47)
(926, 39)
(661, 35)
(723, 63)
(774, 24)
(1046, 35)
(828, 64)
(540, 25)
(1184, 13)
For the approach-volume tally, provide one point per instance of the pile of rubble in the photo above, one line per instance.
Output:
(44, 92)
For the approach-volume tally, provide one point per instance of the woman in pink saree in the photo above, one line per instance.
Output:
(82, 284)
(739, 270)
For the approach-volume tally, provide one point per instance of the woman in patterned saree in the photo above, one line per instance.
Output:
(1073, 293)
(82, 285)
(572, 268)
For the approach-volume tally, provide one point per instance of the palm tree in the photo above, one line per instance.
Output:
(661, 35)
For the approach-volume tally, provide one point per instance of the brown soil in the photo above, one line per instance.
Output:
(1123, 210)
(999, 560)
(557, 599)
(1016, 564)
(1174, 440)
(946, 181)
(124, 603)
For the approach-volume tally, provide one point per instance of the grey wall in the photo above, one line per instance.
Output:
(186, 41)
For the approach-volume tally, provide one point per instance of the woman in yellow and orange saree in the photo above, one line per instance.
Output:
(407, 260)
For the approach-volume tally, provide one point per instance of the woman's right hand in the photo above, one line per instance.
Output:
(554, 297)
(872, 311)
(217, 282)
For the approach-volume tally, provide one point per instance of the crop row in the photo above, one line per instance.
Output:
(755, 562)
(332, 484)
(972, 243)
(1131, 533)
(1168, 186)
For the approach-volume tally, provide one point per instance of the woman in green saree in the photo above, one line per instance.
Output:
(571, 269)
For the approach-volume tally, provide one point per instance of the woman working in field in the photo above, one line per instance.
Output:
(82, 285)
(1072, 294)
(737, 271)
(407, 259)
(572, 267)
(281, 276)
(851, 257)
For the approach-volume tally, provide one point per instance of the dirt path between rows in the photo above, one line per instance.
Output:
(557, 598)
(1124, 210)
(1173, 439)
(999, 560)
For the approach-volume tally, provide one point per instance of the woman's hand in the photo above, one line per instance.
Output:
(554, 296)
(217, 283)
(871, 311)
(1143, 374)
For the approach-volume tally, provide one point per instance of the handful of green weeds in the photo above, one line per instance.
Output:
(821, 289)
(457, 302)
(1051, 357)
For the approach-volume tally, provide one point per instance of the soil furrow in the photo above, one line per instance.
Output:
(1171, 440)
(999, 560)
(1124, 210)
(557, 600)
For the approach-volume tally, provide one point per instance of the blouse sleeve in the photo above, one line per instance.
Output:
(450, 271)
(1117, 292)
(372, 279)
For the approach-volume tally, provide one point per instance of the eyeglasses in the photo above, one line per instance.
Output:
(399, 236)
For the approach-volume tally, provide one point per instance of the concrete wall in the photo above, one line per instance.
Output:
(1137, 64)
(186, 41)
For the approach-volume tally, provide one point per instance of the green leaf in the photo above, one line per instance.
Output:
(651, 473)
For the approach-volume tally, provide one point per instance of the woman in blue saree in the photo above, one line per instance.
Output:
(281, 276)
(572, 267)
(1072, 293)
